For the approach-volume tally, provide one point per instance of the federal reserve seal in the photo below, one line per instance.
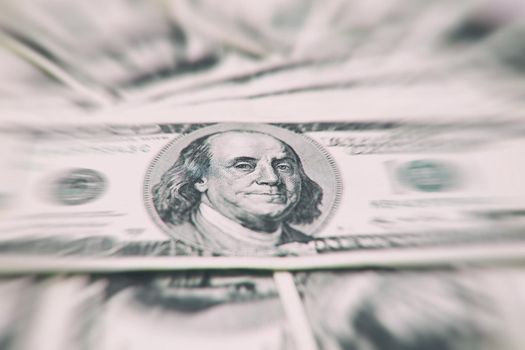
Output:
(78, 186)
(428, 175)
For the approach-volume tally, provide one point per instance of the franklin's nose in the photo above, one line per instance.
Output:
(267, 175)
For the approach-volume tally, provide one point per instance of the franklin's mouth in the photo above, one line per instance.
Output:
(269, 194)
(268, 197)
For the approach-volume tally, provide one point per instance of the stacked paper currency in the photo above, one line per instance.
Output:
(291, 174)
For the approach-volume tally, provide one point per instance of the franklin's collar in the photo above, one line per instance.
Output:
(227, 232)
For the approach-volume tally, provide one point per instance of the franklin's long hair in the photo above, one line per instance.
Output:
(175, 197)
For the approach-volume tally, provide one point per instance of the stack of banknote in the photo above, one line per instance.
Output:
(291, 174)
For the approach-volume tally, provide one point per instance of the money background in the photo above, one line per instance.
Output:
(458, 308)
(187, 311)
(266, 49)
(426, 309)
(72, 68)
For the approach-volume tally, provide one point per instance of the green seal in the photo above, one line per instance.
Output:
(79, 186)
(428, 175)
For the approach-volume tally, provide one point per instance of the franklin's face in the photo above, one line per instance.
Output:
(253, 178)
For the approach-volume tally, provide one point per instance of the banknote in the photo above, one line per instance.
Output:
(314, 190)
(24, 87)
(15, 305)
(198, 310)
(151, 49)
(415, 309)
(100, 55)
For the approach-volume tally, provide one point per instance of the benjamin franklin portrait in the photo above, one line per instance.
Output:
(238, 191)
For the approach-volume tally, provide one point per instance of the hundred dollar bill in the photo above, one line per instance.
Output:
(24, 87)
(102, 56)
(197, 310)
(425, 309)
(261, 190)
(161, 49)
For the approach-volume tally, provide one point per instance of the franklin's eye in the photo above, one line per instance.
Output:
(243, 166)
(284, 167)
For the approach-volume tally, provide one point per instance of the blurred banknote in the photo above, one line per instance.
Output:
(16, 294)
(130, 43)
(151, 49)
(358, 310)
(425, 309)
(25, 87)
(135, 311)
(249, 189)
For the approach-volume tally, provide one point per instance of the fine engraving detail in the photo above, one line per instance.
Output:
(241, 188)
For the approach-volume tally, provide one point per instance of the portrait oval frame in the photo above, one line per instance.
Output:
(317, 162)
